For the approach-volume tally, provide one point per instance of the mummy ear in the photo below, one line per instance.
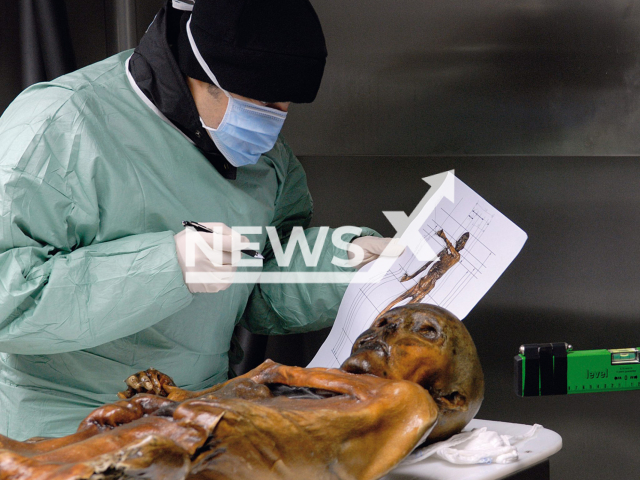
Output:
(453, 401)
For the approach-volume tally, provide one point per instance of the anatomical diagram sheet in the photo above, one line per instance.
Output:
(457, 247)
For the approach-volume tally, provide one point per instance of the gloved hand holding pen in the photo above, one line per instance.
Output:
(220, 264)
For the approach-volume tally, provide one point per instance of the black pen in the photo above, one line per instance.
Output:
(202, 228)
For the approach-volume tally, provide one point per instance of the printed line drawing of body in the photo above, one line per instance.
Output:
(447, 258)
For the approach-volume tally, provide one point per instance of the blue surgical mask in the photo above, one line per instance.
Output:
(247, 130)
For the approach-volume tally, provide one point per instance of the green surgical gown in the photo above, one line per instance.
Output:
(93, 187)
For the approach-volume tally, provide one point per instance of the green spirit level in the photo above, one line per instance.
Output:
(556, 369)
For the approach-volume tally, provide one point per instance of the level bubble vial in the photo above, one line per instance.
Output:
(622, 356)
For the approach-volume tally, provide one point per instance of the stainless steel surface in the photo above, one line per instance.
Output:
(582, 216)
(120, 25)
(415, 77)
(145, 13)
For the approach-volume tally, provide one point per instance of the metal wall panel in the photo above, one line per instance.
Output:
(9, 54)
(582, 216)
(126, 22)
(120, 25)
(416, 77)
(99, 28)
(87, 26)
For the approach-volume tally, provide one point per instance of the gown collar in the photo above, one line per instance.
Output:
(154, 69)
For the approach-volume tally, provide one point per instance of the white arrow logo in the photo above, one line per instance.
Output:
(442, 186)
(408, 227)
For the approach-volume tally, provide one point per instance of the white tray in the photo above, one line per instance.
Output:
(533, 451)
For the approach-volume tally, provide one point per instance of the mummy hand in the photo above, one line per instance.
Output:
(148, 381)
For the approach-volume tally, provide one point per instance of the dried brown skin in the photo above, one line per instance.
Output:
(240, 430)
(351, 427)
(149, 381)
(447, 258)
(427, 345)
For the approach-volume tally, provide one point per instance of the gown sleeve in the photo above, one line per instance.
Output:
(59, 290)
(281, 308)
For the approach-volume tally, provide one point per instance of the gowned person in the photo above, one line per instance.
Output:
(98, 169)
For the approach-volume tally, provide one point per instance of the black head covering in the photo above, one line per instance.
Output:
(268, 50)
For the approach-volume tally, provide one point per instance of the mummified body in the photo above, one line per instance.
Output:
(276, 421)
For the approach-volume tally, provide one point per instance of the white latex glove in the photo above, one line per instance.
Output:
(220, 263)
(373, 247)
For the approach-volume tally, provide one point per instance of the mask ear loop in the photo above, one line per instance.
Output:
(210, 74)
(203, 64)
(213, 78)
(201, 61)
